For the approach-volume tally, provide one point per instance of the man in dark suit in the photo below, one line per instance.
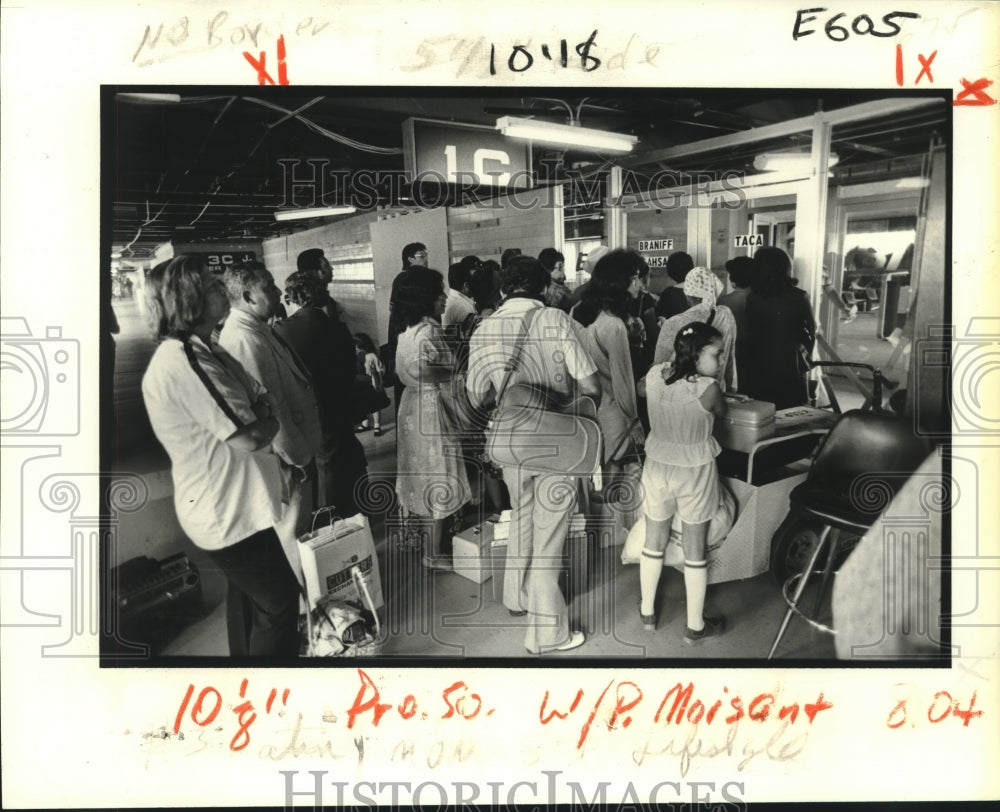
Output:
(327, 349)
(314, 261)
(415, 253)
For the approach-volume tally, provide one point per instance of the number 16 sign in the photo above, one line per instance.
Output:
(464, 154)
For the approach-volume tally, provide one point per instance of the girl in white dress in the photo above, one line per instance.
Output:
(680, 474)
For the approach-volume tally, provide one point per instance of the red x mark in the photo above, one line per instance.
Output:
(925, 67)
(260, 65)
(974, 89)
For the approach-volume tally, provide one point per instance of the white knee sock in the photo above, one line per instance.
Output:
(695, 586)
(650, 567)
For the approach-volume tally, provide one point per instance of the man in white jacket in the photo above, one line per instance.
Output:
(248, 337)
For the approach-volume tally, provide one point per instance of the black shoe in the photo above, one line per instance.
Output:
(648, 621)
(714, 626)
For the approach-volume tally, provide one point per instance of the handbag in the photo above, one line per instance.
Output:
(613, 509)
(537, 432)
(366, 399)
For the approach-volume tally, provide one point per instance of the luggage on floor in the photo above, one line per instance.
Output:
(155, 599)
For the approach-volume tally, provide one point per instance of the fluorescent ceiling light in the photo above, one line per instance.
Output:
(565, 134)
(150, 98)
(788, 161)
(305, 214)
(913, 183)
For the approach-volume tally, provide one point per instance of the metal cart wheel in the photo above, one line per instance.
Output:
(793, 543)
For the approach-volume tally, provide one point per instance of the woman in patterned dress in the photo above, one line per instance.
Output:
(431, 481)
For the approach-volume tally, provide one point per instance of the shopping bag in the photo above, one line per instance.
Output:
(329, 554)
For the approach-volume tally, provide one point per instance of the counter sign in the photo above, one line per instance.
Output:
(748, 240)
(218, 262)
(655, 245)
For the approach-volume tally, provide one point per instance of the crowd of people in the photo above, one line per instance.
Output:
(260, 428)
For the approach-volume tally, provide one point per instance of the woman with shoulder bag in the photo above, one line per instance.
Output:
(215, 422)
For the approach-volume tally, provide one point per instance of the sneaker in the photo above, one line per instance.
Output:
(714, 626)
(648, 621)
(576, 639)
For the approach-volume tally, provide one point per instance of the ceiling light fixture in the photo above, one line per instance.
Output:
(788, 161)
(150, 98)
(305, 214)
(913, 183)
(565, 134)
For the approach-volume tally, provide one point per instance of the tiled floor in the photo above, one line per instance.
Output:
(443, 615)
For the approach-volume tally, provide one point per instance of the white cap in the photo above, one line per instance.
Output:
(593, 257)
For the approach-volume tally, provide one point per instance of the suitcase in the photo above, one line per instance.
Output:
(746, 423)
(471, 552)
(156, 599)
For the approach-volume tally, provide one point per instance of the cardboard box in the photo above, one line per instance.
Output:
(472, 552)
(574, 578)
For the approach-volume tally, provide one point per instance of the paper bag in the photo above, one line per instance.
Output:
(328, 554)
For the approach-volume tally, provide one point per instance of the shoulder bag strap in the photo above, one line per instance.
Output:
(711, 317)
(516, 356)
(220, 401)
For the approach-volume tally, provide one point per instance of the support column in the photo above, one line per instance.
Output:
(614, 212)
(810, 217)
(558, 217)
